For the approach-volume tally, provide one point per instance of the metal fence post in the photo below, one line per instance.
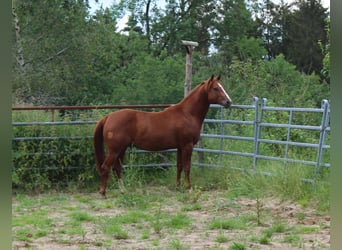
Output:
(222, 133)
(288, 138)
(324, 124)
(256, 131)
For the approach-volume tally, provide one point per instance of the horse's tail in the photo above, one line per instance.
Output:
(98, 143)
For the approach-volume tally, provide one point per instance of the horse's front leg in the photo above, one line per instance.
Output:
(179, 167)
(104, 172)
(186, 153)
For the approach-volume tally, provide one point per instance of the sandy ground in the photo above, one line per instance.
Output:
(311, 230)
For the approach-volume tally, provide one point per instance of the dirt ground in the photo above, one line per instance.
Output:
(303, 227)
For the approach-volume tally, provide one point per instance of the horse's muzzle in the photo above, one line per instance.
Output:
(227, 104)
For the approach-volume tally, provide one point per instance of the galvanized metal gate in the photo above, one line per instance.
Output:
(259, 124)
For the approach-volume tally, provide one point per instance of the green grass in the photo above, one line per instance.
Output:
(293, 239)
(146, 206)
(34, 225)
(277, 227)
(132, 200)
(177, 245)
(81, 216)
(178, 221)
(237, 246)
(221, 238)
(159, 216)
(115, 230)
(239, 222)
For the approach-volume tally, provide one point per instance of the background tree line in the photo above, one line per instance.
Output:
(64, 54)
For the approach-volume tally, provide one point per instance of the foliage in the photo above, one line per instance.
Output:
(48, 158)
(278, 81)
(65, 55)
(295, 30)
(303, 30)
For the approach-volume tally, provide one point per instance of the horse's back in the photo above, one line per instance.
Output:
(158, 130)
(166, 129)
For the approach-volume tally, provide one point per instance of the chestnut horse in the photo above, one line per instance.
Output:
(176, 127)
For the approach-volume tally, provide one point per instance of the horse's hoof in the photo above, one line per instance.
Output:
(103, 194)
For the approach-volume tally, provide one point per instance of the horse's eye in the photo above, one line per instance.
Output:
(216, 89)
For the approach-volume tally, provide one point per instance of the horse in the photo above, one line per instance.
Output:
(176, 127)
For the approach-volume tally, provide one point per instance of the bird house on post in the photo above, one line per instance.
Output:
(189, 46)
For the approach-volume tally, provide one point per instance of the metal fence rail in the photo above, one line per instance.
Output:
(258, 112)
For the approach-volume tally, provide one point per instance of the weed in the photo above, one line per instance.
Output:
(74, 229)
(115, 230)
(156, 221)
(132, 217)
(192, 207)
(240, 222)
(233, 223)
(278, 227)
(258, 209)
(268, 233)
(146, 234)
(132, 200)
(81, 216)
(176, 245)
(306, 230)
(179, 221)
(23, 234)
(221, 238)
(264, 240)
(300, 216)
(237, 246)
(293, 239)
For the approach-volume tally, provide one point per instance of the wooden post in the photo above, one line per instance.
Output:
(189, 46)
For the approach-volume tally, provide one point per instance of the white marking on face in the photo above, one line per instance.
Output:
(219, 84)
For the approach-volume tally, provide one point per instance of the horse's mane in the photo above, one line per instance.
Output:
(195, 89)
(189, 96)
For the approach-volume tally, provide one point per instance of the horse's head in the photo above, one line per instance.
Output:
(216, 93)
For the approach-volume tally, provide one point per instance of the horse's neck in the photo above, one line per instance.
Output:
(196, 103)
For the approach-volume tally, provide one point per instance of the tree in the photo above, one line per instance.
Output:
(64, 55)
(49, 43)
(233, 29)
(271, 19)
(326, 53)
(183, 20)
(304, 30)
(278, 81)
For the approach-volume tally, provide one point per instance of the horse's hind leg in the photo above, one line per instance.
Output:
(104, 171)
(118, 169)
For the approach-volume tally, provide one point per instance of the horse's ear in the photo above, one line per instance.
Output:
(212, 77)
(218, 77)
